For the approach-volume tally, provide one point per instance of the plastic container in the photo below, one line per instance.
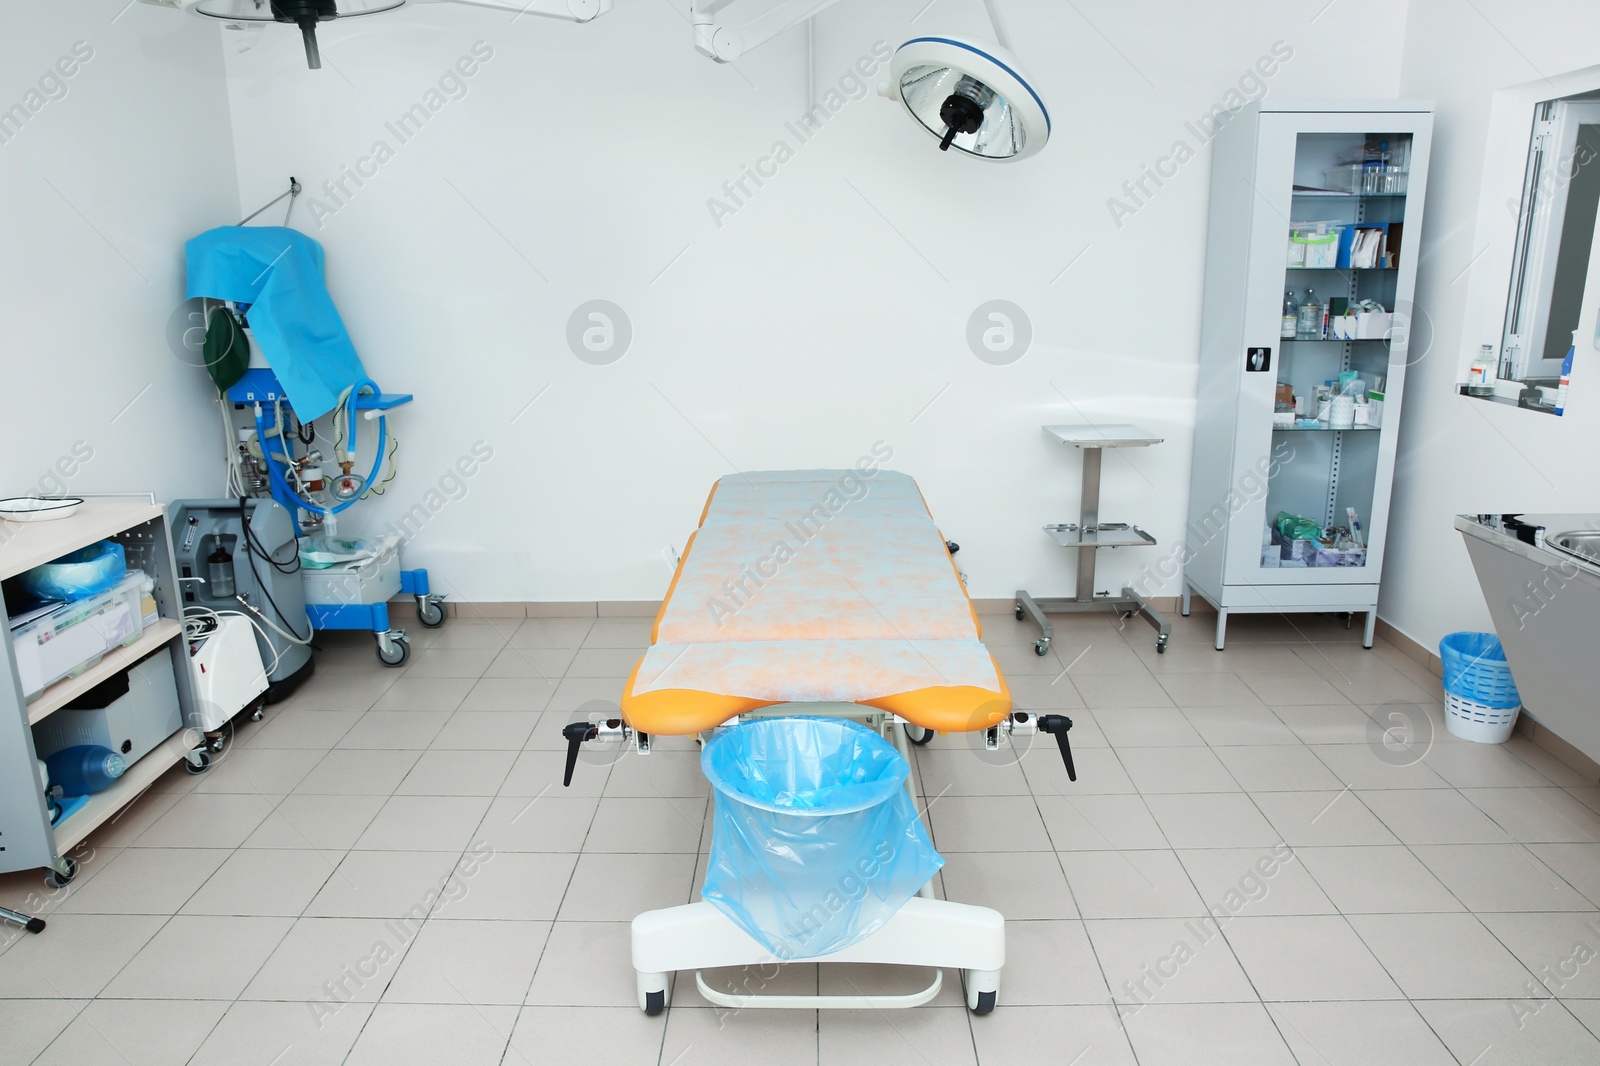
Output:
(78, 575)
(1367, 179)
(65, 640)
(1481, 701)
(815, 841)
(374, 578)
(85, 769)
(1314, 245)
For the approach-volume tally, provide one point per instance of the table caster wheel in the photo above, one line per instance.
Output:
(63, 878)
(1041, 647)
(429, 612)
(1021, 614)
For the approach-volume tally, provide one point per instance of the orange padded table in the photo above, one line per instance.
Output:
(816, 586)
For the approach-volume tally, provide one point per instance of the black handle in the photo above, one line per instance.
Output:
(576, 734)
(1059, 724)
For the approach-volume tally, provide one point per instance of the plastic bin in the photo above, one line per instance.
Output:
(1480, 698)
(65, 640)
(815, 841)
(372, 578)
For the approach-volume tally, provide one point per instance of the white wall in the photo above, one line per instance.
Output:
(1458, 455)
(829, 312)
(101, 186)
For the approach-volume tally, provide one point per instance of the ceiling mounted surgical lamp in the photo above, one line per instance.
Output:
(307, 13)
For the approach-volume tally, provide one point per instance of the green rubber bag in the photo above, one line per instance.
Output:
(227, 351)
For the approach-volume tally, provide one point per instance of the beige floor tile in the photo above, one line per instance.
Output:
(1212, 820)
(537, 771)
(425, 1034)
(280, 882)
(1314, 819)
(325, 823)
(1298, 689)
(1023, 661)
(1558, 772)
(1254, 881)
(800, 979)
(384, 884)
(1361, 766)
(425, 694)
(1209, 690)
(1167, 960)
(1538, 815)
(1131, 884)
(856, 979)
(1161, 770)
(1020, 885)
(1488, 1033)
(450, 662)
(424, 823)
(1206, 1034)
(472, 634)
(959, 767)
(648, 825)
(1377, 880)
(31, 1024)
(243, 769)
(1050, 962)
(508, 694)
(395, 729)
(1110, 691)
(987, 823)
(1100, 823)
(1308, 958)
(296, 727)
(545, 823)
(357, 773)
(486, 730)
(588, 964)
(134, 1033)
(624, 1036)
(1578, 865)
(718, 1038)
(1433, 816)
(1234, 724)
(614, 888)
(547, 736)
(199, 956)
(1340, 723)
(510, 886)
(1082, 1036)
(329, 961)
(128, 824)
(1100, 772)
(76, 956)
(543, 665)
(145, 881)
(457, 773)
(1099, 656)
(207, 821)
(1558, 948)
(552, 633)
(1277, 768)
(935, 1036)
(586, 693)
(1500, 877)
(605, 662)
(469, 962)
(1442, 956)
(660, 775)
(283, 1034)
(1359, 1034)
(1039, 693)
(1147, 727)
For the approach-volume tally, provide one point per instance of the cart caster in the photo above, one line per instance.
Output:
(430, 612)
(1021, 614)
(393, 648)
(655, 1003)
(197, 761)
(1041, 646)
(258, 711)
(61, 878)
(922, 741)
(1161, 646)
(982, 988)
(652, 989)
(215, 744)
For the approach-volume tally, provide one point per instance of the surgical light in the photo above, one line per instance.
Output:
(971, 95)
(307, 13)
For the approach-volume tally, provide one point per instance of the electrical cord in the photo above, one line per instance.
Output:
(251, 546)
(202, 621)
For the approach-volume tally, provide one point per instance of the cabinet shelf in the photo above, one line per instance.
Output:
(102, 805)
(68, 689)
(1068, 535)
(1325, 428)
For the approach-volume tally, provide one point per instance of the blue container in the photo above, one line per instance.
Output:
(85, 769)
(815, 841)
(1475, 668)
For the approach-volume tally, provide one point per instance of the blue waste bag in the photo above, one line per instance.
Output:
(815, 841)
(78, 575)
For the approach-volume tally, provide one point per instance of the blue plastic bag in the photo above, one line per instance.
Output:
(78, 575)
(815, 841)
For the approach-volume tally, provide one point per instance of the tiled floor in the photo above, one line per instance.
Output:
(386, 870)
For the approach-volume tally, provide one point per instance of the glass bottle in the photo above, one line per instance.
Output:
(1291, 317)
(1309, 323)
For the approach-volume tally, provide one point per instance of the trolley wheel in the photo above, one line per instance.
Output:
(1041, 647)
(655, 1002)
(985, 1003)
(429, 613)
(1021, 614)
(927, 735)
(216, 744)
(57, 879)
(198, 767)
(258, 711)
(397, 654)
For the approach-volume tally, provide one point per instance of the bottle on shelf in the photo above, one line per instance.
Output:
(1291, 317)
(1309, 322)
(1566, 376)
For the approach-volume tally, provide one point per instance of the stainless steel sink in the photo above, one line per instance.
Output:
(1583, 544)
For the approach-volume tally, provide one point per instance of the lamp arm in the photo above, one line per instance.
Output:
(724, 43)
(1002, 38)
(569, 10)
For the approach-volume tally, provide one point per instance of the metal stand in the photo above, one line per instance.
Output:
(1089, 535)
(31, 924)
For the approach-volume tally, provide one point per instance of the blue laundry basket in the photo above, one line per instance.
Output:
(1480, 698)
(815, 841)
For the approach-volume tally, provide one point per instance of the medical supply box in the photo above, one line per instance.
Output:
(131, 712)
(372, 579)
(65, 639)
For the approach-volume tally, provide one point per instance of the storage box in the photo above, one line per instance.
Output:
(1314, 246)
(374, 579)
(1298, 551)
(1325, 556)
(66, 639)
(1373, 325)
(131, 712)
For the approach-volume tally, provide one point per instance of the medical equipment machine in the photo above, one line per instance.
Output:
(131, 712)
(1089, 535)
(809, 595)
(228, 672)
